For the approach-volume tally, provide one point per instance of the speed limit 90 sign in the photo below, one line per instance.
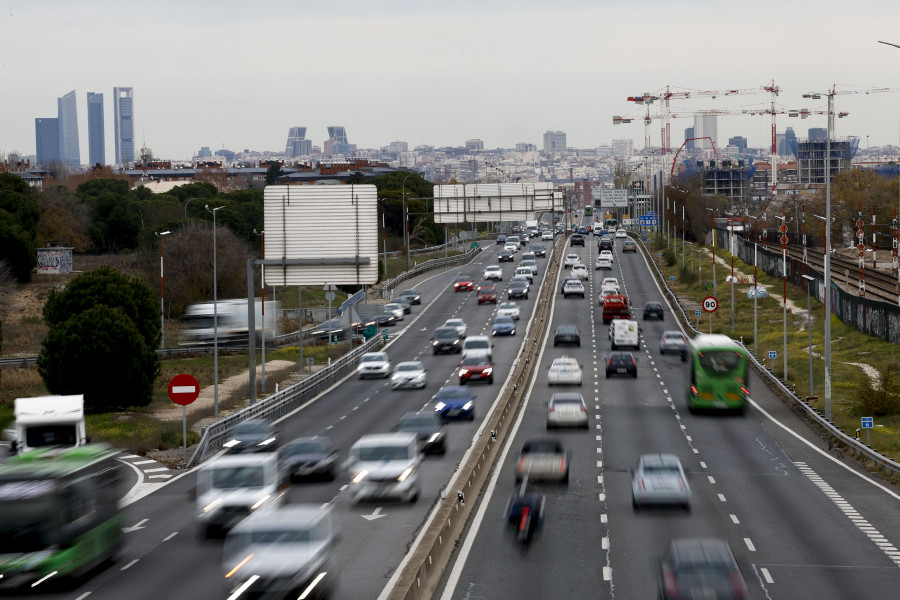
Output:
(710, 304)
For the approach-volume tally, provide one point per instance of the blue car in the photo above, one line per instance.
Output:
(455, 402)
(503, 326)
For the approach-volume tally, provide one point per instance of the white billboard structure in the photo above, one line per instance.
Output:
(321, 234)
(610, 198)
(487, 202)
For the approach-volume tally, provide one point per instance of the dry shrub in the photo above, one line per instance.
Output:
(869, 400)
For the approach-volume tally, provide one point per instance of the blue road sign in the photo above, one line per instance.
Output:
(773, 354)
(868, 423)
(696, 313)
(671, 278)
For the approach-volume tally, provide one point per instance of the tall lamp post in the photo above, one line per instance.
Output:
(405, 218)
(162, 304)
(731, 278)
(215, 319)
(809, 281)
(755, 283)
(784, 289)
(262, 288)
(712, 224)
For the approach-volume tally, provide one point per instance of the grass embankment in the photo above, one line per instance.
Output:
(850, 382)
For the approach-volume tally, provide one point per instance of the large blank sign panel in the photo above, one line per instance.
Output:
(485, 202)
(329, 227)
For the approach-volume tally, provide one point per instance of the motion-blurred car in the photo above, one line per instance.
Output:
(476, 368)
(530, 263)
(566, 334)
(374, 364)
(508, 309)
(700, 568)
(547, 236)
(653, 310)
(503, 326)
(463, 283)
(514, 239)
(506, 255)
(621, 233)
(409, 375)
(608, 254)
(580, 271)
(255, 435)
(477, 345)
(310, 457)
(658, 480)
(446, 339)
(564, 371)
(517, 289)
(605, 243)
(526, 272)
(543, 460)
(501, 239)
(384, 320)
(672, 341)
(455, 402)
(577, 239)
(281, 553)
(457, 324)
(394, 308)
(610, 282)
(539, 250)
(562, 286)
(429, 429)
(567, 409)
(629, 245)
(384, 465)
(487, 294)
(621, 363)
(493, 273)
(573, 287)
(571, 259)
(603, 262)
(404, 303)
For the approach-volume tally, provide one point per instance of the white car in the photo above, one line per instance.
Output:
(570, 260)
(508, 309)
(374, 364)
(573, 287)
(493, 272)
(525, 272)
(609, 282)
(393, 308)
(547, 236)
(580, 271)
(603, 262)
(478, 345)
(458, 324)
(409, 375)
(567, 409)
(608, 254)
(532, 264)
(511, 246)
(660, 479)
(564, 370)
(620, 233)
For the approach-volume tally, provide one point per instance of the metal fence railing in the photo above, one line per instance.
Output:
(437, 263)
(856, 447)
(281, 403)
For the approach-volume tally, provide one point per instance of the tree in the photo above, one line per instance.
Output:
(273, 173)
(99, 353)
(19, 215)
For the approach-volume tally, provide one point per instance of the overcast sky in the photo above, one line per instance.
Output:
(237, 75)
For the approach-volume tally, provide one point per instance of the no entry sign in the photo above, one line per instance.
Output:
(184, 389)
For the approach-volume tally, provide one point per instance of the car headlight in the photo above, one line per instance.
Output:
(435, 343)
(488, 371)
(434, 437)
(439, 406)
(406, 473)
(463, 372)
(467, 405)
(360, 476)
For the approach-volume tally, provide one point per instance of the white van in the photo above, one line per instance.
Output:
(478, 345)
(528, 272)
(626, 333)
(597, 228)
(385, 465)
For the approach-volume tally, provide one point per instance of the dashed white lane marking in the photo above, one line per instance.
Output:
(711, 479)
(702, 465)
(129, 565)
(862, 524)
(750, 545)
(603, 518)
(722, 498)
(734, 519)
(604, 543)
(157, 470)
(607, 573)
(766, 576)
(170, 536)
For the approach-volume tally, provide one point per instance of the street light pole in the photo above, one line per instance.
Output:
(262, 274)
(162, 304)
(215, 319)
(809, 281)
(784, 289)
(405, 218)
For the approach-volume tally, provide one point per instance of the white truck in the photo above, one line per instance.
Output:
(48, 421)
(199, 320)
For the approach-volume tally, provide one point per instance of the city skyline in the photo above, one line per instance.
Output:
(433, 75)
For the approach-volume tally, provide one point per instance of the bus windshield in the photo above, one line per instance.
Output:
(719, 363)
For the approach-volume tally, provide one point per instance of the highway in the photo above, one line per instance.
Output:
(801, 523)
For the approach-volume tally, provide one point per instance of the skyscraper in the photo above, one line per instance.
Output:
(337, 142)
(124, 122)
(688, 138)
(69, 150)
(817, 134)
(297, 144)
(554, 141)
(738, 142)
(706, 126)
(46, 134)
(96, 139)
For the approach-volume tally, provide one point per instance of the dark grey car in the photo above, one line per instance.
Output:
(310, 457)
(517, 289)
(429, 429)
(255, 435)
(446, 339)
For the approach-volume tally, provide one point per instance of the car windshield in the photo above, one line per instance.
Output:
(409, 367)
(720, 362)
(445, 332)
(463, 278)
(478, 344)
(306, 447)
(670, 470)
(373, 358)
(417, 420)
(225, 478)
(392, 306)
(453, 322)
(503, 321)
(566, 401)
(474, 361)
(509, 305)
(453, 394)
(673, 337)
(409, 293)
(251, 427)
(565, 329)
(379, 453)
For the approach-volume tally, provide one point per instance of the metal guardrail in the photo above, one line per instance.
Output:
(857, 448)
(281, 403)
(429, 265)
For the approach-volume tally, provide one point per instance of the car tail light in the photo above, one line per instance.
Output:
(523, 522)
(670, 583)
(632, 361)
(745, 390)
(737, 584)
(694, 390)
(583, 409)
(551, 409)
(521, 464)
(641, 483)
(562, 465)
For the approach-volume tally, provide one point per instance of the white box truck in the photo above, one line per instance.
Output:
(49, 421)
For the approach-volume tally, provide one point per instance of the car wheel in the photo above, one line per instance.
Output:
(607, 375)
(578, 344)
(491, 381)
(472, 416)
(635, 375)
(443, 450)
(555, 343)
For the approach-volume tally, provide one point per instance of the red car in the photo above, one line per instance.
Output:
(463, 283)
(487, 294)
(476, 368)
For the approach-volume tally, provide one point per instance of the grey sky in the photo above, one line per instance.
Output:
(239, 74)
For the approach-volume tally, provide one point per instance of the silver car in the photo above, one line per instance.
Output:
(396, 309)
(508, 309)
(409, 375)
(374, 364)
(567, 409)
(660, 480)
(672, 341)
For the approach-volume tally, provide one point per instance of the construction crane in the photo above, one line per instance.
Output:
(835, 92)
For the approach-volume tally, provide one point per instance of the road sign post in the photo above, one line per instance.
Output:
(710, 304)
(773, 354)
(184, 389)
(868, 423)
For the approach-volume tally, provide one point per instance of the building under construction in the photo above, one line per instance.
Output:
(811, 158)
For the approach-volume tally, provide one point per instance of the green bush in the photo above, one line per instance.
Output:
(868, 400)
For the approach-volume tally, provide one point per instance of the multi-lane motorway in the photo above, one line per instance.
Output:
(801, 522)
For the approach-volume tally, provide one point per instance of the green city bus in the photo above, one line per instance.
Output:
(718, 374)
(588, 211)
(59, 515)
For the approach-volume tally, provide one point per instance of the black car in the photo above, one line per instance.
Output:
(566, 334)
(429, 429)
(517, 289)
(446, 339)
(705, 564)
(653, 310)
(310, 457)
(255, 435)
(577, 239)
(335, 328)
(413, 295)
(506, 256)
(501, 239)
(621, 363)
(539, 250)
(385, 320)
(405, 303)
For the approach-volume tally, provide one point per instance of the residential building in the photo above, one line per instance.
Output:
(96, 137)
(474, 144)
(69, 149)
(689, 138)
(123, 106)
(623, 148)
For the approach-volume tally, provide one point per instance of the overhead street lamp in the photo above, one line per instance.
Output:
(162, 304)
(731, 278)
(405, 218)
(189, 200)
(215, 318)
